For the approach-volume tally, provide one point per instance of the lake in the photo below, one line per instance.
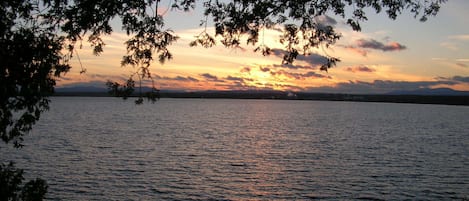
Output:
(223, 149)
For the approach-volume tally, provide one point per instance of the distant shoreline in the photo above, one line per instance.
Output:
(279, 95)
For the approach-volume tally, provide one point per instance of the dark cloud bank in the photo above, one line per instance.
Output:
(387, 86)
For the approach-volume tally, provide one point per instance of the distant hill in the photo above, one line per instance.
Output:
(424, 96)
(79, 89)
(99, 91)
(431, 92)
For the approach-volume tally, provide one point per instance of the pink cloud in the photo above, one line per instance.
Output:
(355, 69)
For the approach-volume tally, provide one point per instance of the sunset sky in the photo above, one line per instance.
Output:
(386, 55)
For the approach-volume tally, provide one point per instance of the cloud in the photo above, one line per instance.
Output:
(234, 78)
(459, 79)
(238, 79)
(462, 37)
(462, 62)
(264, 69)
(242, 86)
(89, 78)
(293, 66)
(191, 79)
(177, 78)
(261, 86)
(458, 62)
(245, 70)
(385, 86)
(97, 76)
(324, 21)
(355, 69)
(361, 45)
(299, 76)
(374, 44)
(94, 83)
(357, 50)
(450, 46)
(211, 77)
(438, 59)
(312, 59)
(461, 65)
(455, 42)
(64, 78)
(312, 74)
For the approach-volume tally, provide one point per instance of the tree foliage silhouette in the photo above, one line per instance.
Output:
(39, 37)
(11, 179)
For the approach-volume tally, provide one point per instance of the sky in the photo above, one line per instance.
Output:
(387, 55)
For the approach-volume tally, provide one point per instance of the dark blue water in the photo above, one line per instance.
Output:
(183, 149)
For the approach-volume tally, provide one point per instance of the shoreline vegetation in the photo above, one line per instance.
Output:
(281, 95)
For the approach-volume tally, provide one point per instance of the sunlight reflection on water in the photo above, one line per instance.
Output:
(182, 149)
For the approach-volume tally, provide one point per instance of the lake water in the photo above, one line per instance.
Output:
(201, 149)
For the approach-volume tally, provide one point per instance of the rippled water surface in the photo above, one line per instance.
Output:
(183, 149)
